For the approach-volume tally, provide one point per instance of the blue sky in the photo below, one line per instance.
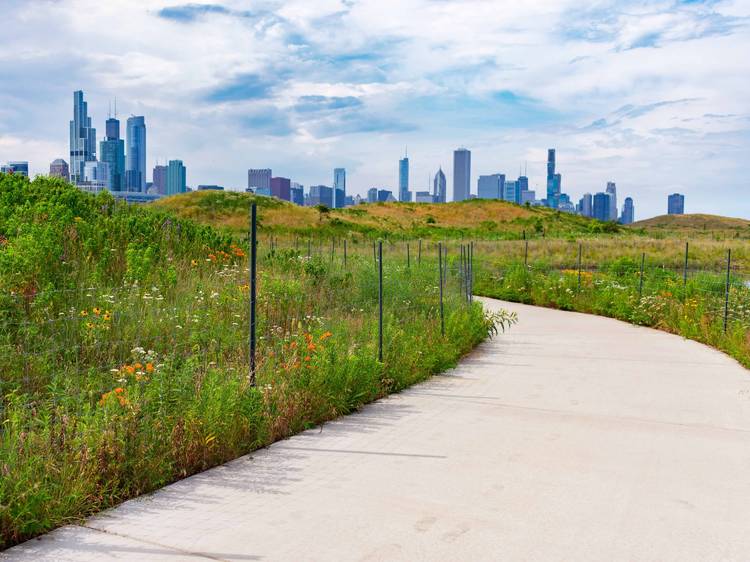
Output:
(652, 95)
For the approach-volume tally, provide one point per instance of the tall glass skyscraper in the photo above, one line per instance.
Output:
(554, 181)
(628, 211)
(112, 151)
(676, 204)
(135, 167)
(439, 189)
(461, 174)
(339, 187)
(403, 179)
(612, 192)
(176, 177)
(82, 138)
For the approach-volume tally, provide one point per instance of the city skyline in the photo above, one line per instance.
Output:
(627, 92)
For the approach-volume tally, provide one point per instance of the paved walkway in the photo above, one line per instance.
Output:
(570, 438)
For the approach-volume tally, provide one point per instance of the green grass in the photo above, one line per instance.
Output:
(124, 347)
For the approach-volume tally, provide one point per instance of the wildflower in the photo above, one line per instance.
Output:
(96, 310)
(307, 358)
(89, 325)
(311, 346)
(107, 316)
(149, 367)
(293, 345)
(325, 336)
(84, 313)
(138, 366)
(129, 369)
(119, 390)
(194, 262)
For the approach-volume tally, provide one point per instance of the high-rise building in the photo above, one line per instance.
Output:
(439, 187)
(552, 187)
(528, 196)
(259, 178)
(159, 185)
(601, 206)
(281, 188)
(59, 169)
(490, 187)
(20, 167)
(297, 194)
(176, 177)
(82, 138)
(461, 174)
(628, 211)
(135, 161)
(511, 192)
(321, 195)
(585, 205)
(523, 185)
(423, 197)
(339, 187)
(112, 151)
(95, 176)
(676, 204)
(612, 192)
(372, 195)
(403, 179)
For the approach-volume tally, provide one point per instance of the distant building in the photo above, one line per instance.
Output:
(176, 177)
(112, 151)
(159, 185)
(349, 201)
(528, 196)
(585, 205)
(612, 192)
(135, 160)
(59, 169)
(439, 187)
(424, 197)
(82, 138)
(676, 204)
(553, 180)
(321, 195)
(281, 188)
(259, 178)
(19, 167)
(461, 174)
(601, 206)
(523, 185)
(375, 195)
(95, 176)
(403, 179)
(210, 188)
(264, 191)
(628, 211)
(510, 191)
(372, 195)
(339, 187)
(297, 194)
(490, 187)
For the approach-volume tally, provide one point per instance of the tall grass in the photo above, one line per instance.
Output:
(124, 347)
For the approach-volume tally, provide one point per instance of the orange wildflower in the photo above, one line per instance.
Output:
(307, 358)
(325, 336)
(149, 367)
(311, 346)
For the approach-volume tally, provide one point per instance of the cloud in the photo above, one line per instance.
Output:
(191, 12)
(310, 104)
(243, 87)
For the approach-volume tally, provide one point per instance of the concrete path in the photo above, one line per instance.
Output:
(570, 438)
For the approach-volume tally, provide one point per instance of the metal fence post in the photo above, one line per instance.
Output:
(526, 255)
(471, 271)
(440, 271)
(685, 270)
(333, 248)
(374, 255)
(640, 285)
(726, 292)
(380, 301)
(461, 272)
(580, 250)
(309, 247)
(253, 258)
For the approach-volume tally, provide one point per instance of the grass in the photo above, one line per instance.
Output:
(477, 219)
(125, 356)
(695, 225)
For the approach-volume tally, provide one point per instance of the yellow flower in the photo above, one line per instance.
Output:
(96, 310)
(84, 313)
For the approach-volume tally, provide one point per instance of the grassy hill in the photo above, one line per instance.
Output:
(695, 225)
(471, 219)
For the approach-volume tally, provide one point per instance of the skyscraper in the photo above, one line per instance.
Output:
(112, 151)
(20, 167)
(601, 206)
(297, 194)
(511, 192)
(59, 169)
(461, 174)
(372, 195)
(523, 186)
(628, 211)
(586, 208)
(135, 166)
(321, 195)
(339, 187)
(259, 178)
(676, 204)
(612, 192)
(490, 187)
(439, 187)
(82, 138)
(403, 179)
(553, 180)
(160, 180)
(281, 188)
(176, 177)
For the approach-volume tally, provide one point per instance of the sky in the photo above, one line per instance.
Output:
(652, 95)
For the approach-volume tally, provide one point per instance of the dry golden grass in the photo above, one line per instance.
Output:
(696, 223)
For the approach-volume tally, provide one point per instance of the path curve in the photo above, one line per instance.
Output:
(572, 437)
